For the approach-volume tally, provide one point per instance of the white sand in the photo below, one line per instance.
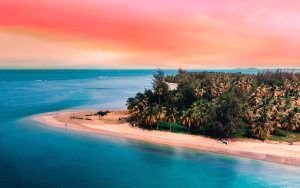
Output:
(112, 126)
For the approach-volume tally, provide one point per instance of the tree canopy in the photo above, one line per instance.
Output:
(222, 104)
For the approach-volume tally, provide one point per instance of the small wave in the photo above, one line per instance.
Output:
(101, 77)
(40, 80)
(99, 88)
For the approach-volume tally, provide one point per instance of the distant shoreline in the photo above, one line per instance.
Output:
(114, 125)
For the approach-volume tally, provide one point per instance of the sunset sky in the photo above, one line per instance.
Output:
(149, 33)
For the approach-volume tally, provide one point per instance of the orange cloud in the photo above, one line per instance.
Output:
(144, 33)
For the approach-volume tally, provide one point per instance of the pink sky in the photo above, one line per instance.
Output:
(150, 33)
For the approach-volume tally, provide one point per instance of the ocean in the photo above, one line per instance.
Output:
(33, 155)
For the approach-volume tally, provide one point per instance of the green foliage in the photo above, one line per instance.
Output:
(159, 86)
(221, 104)
(187, 96)
(172, 127)
(102, 113)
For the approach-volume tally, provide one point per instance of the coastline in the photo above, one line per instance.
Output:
(114, 125)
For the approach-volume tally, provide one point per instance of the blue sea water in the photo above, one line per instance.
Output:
(32, 155)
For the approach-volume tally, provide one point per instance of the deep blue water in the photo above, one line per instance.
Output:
(32, 155)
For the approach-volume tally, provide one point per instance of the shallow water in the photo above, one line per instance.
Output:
(32, 155)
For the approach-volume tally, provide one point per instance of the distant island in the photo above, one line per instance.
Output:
(247, 115)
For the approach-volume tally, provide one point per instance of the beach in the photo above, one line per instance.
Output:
(115, 125)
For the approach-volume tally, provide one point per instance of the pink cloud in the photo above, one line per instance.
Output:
(195, 32)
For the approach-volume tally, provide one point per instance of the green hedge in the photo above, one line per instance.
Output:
(175, 127)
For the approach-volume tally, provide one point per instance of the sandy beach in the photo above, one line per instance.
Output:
(114, 124)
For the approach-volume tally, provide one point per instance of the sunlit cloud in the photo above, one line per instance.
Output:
(150, 34)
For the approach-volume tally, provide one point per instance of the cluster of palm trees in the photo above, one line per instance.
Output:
(222, 104)
(148, 115)
(274, 107)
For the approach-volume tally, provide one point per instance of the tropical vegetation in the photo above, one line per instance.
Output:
(262, 105)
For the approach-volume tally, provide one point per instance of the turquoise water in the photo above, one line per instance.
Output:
(32, 155)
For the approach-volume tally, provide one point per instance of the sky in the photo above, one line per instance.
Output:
(195, 34)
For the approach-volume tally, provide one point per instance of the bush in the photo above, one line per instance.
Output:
(175, 127)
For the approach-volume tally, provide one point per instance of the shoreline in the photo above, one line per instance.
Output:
(114, 125)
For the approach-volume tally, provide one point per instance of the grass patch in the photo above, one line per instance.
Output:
(286, 136)
(174, 127)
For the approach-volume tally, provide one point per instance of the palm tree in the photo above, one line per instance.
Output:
(245, 83)
(199, 114)
(291, 120)
(149, 116)
(130, 103)
(136, 105)
(159, 92)
(258, 129)
(160, 114)
(261, 126)
(171, 116)
(136, 111)
(159, 85)
(262, 129)
(142, 100)
(199, 92)
(186, 119)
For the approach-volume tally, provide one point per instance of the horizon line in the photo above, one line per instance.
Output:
(146, 68)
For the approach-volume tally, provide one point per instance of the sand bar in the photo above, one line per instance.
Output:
(114, 125)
